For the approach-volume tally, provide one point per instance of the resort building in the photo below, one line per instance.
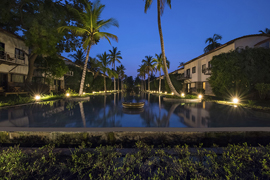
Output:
(196, 72)
(13, 61)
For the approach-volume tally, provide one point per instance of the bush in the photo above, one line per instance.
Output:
(263, 89)
(201, 91)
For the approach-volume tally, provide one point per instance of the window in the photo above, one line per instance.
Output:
(203, 85)
(2, 50)
(17, 78)
(19, 54)
(209, 64)
(194, 69)
(203, 68)
(193, 118)
(188, 72)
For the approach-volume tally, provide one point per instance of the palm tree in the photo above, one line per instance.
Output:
(158, 63)
(160, 9)
(93, 64)
(118, 71)
(142, 74)
(181, 64)
(79, 57)
(266, 31)
(104, 63)
(114, 57)
(212, 43)
(148, 67)
(89, 27)
(122, 75)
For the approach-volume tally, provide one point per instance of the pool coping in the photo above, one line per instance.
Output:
(182, 100)
(134, 129)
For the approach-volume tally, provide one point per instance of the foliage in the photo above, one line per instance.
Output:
(71, 91)
(187, 96)
(38, 21)
(235, 73)
(263, 89)
(176, 83)
(233, 162)
(89, 27)
(212, 43)
(73, 82)
(266, 31)
(79, 57)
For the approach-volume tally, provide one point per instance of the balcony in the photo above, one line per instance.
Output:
(12, 59)
(207, 71)
(181, 77)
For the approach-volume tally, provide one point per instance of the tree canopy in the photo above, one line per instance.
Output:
(237, 72)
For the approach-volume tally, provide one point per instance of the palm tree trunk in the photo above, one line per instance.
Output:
(148, 82)
(84, 71)
(159, 86)
(82, 114)
(118, 84)
(144, 84)
(105, 84)
(163, 53)
(114, 83)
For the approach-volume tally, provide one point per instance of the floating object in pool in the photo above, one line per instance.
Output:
(133, 105)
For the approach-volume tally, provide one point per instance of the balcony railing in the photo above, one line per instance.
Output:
(181, 77)
(207, 71)
(12, 59)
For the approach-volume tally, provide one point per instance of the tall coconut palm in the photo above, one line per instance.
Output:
(89, 27)
(104, 67)
(79, 57)
(142, 74)
(122, 74)
(149, 68)
(115, 56)
(160, 9)
(158, 63)
(212, 43)
(266, 31)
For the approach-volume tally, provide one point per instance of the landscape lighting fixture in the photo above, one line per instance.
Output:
(37, 97)
(200, 96)
(172, 93)
(235, 100)
(165, 92)
(83, 93)
(183, 94)
(93, 92)
(67, 94)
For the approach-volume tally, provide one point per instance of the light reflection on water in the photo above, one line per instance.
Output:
(107, 111)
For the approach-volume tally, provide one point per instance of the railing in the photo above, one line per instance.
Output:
(207, 71)
(181, 77)
(12, 59)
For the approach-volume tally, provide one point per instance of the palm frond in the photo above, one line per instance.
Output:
(147, 5)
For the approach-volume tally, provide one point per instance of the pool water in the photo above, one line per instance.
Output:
(107, 111)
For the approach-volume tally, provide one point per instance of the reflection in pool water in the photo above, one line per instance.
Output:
(107, 111)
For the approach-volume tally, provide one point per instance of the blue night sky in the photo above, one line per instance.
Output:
(185, 27)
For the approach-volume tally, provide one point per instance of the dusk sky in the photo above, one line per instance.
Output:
(185, 27)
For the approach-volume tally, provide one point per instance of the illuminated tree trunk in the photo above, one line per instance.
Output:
(105, 84)
(163, 53)
(31, 67)
(84, 72)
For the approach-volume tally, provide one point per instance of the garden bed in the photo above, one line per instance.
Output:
(141, 162)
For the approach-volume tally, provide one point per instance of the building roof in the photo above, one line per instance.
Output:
(11, 33)
(262, 42)
(176, 70)
(226, 44)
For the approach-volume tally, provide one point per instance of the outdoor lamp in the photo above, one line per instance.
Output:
(37, 97)
(165, 92)
(93, 92)
(83, 93)
(235, 100)
(200, 96)
(67, 94)
(172, 93)
(183, 94)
